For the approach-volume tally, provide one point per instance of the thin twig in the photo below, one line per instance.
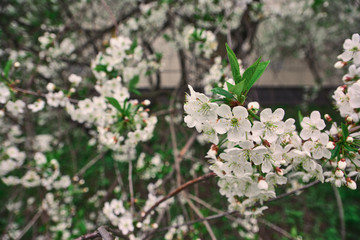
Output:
(212, 217)
(104, 233)
(276, 228)
(294, 191)
(206, 223)
(341, 212)
(131, 188)
(111, 13)
(89, 164)
(30, 224)
(174, 142)
(176, 191)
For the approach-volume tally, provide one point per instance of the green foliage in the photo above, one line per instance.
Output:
(244, 83)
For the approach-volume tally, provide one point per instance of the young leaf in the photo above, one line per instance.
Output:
(335, 151)
(300, 116)
(114, 103)
(238, 89)
(222, 92)
(235, 69)
(230, 86)
(261, 67)
(249, 72)
(7, 68)
(132, 85)
(345, 131)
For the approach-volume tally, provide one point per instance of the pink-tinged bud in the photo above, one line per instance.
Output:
(328, 118)
(215, 148)
(279, 171)
(343, 88)
(339, 64)
(349, 119)
(349, 139)
(347, 79)
(339, 173)
(263, 185)
(254, 106)
(351, 184)
(266, 143)
(341, 164)
(330, 145)
(146, 102)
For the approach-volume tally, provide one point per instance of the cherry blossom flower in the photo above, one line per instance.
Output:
(312, 126)
(234, 123)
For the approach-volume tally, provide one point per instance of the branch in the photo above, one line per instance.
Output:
(294, 191)
(176, 191)
(341, 212)
(206, 223)
(277, 229)
(30, 224)
(131, 187)
(90, 163)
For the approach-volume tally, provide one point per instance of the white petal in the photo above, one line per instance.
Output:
(224, 111)
(240, 112)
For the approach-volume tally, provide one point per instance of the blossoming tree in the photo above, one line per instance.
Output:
(105, 120)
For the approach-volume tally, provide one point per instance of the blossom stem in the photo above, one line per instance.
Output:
(175, 192)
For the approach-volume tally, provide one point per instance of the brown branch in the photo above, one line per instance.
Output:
(341, 212)
(30, 224)
(176, 191)
(294, 191)
(199, 214)
(277, 229)
(104, 233)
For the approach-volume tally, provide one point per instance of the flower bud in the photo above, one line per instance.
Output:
(50, 87)
(328, 118)
(279, 171)
(146, 102)
(16, 64)
(254, 106)
(350, 183)
(349, 119)
(339, 173)
(138, 224)
(339, 64)
(263, 185)
(349, 139)
(330, 145)
(341, 164)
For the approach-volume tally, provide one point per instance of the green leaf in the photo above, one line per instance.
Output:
(300, 116)
(100, 68)
(132, 85)
(335, 151)
(216, 100)
(114, 103)
(235, 69)
(230, 86)
(260, 69)
(238, 89)
(222, 92)
(7, 68)
(345, 131)
(249, 72)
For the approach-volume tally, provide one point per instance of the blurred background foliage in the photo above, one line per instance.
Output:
(310, 30)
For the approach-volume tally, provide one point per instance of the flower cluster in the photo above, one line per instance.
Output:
(200, 41)
(253, 154)
(123, 58)
(122, 217)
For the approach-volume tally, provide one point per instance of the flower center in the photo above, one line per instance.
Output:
(234, 122)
